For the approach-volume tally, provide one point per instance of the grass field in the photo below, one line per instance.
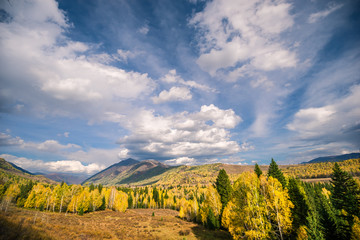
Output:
(20, 223)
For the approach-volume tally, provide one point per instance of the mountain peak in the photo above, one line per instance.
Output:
(127, 162)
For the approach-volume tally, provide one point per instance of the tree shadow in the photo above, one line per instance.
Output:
(19, 230)
(205, 234)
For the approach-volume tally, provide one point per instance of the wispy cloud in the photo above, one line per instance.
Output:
(314, 17)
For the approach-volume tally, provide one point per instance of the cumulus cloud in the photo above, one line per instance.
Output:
(51, 146)
(193, 135)
(54, 166)
(181, 161)
(98, 155)
(336, 122)
(8, 140)
(174, 94)
(322, 14)
(47, 73)
(238, 33)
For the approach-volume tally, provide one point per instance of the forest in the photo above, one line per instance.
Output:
(257, 205)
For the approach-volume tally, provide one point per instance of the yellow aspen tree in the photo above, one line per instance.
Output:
(55, 197)
(182, 213)
(11, 192)
(65, 196)
(120, 201)
(96, 199)
(83, 203)
(245, 215)
(212, 200)
(72, 205)
(278, 207)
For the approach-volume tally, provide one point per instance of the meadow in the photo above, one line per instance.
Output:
(20, 223)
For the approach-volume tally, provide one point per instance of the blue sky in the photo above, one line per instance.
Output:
(86, 84)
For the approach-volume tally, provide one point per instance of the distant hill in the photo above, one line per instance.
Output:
(128, 171)
(10, 170)
(68, 178)
(337, 158)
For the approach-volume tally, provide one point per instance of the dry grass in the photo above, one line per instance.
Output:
(316, 180)
(133, 224)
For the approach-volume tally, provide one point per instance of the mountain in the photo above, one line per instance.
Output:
(10, 170)
(337, 158)
(140, 173)
(128, 171)
(68, 178)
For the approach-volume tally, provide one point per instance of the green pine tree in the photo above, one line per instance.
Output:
(344, 192)
(345, 196)
(275, 172)
(223, 187)
(257, 170)
(212, 222)
(300, 210)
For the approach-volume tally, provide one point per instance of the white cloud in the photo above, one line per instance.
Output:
(336, 122)
(54, 166)
(241, 32)
(49, 74)
(174, 94)
(221, 118)
(51, 146)
(181, 161)
(8, 140)
(98, 155)
(144, 29)
(322, 14)
(172, 77)
(123, 55)
(193, 135)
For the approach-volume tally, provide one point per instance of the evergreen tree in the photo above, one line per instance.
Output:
(223, 187)
(275, 172)
(300, 210)
(212, 222)
(257, 170)
(344, 197)
(103, 203)
(345, 192)
(130, 200)
(156, 196)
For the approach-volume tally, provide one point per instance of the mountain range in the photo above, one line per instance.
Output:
(139, 173)
(337, 158)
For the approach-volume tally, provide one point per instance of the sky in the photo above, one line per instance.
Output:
(86, 84)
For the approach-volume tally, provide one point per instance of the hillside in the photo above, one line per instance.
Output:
(337, 158)
(9, 170)
(147, 172)
(128, 171)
